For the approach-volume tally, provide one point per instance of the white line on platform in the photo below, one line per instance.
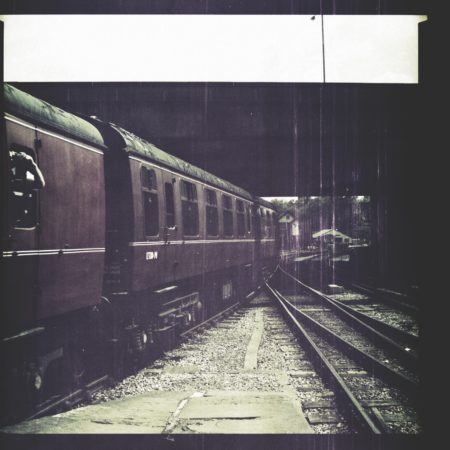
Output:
(172, 422)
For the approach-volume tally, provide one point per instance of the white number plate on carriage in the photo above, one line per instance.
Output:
(151, 255)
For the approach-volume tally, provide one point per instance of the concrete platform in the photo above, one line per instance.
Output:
(161, 412)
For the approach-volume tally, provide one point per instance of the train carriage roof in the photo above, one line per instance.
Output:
(140, 147)
(26, 106)
(265, 203)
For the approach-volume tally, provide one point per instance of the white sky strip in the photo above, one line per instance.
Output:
(242, 48)
(372, 49)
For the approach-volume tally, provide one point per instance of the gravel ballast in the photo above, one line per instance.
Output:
(214, 360)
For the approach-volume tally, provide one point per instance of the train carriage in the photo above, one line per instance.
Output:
(111, 248)
(269, 240)
(53, 238)
(178, 238)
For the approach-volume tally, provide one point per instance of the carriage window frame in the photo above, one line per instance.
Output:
(170, 204)
(14, 204)
(189, 199)
(211, 213)
(274, 225)
(268, 225)
(149, 188)
(227, 290)
(262, 222)
(240, 218)
(248, 212)
(228, 221)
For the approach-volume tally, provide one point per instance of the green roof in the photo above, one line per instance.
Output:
(142, 148)
(26, 106)
(265, 203)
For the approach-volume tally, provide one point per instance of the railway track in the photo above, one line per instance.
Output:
(375, 393)
(403, 294)
(341, 319)
(84, 394)
(211, 321)
(71, 400)
(339, 390)
(385, 296)
(365, 304)
(251, 352)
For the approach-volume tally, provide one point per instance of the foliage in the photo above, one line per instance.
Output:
(350, 215)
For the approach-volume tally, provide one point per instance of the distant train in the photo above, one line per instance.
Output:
(111, 248)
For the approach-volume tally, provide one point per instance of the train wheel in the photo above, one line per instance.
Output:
(136, 345)
(34, 378)
(34, 382)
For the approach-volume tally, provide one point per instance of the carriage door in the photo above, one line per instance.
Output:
(25, 182)
(170, 223)
(256, 222)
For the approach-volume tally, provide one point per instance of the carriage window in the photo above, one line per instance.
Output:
(150, 201)
(227, 216)
(170, 205)
(227, 290)
(26, 179)
(189, 207)
(262, 220)
(249, 220)
(267, 226)
(240, 215)
(212, 216)
(148, 178)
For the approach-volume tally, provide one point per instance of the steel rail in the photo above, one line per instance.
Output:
(210, 320)
(408, 358)
(390, 331)
(406, 307)
(70, 400)
(223, 313)
(346, 399)
(85, 393)
(383, 298)
(64, 402)
(383, 327)
(370, 363)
